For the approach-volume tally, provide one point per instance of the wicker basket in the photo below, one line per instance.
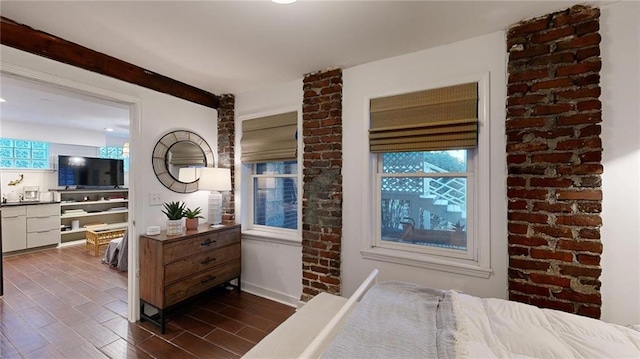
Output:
(97, 238)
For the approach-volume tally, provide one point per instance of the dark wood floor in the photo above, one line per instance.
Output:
(64, 303)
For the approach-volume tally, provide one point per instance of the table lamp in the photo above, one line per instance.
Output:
(215, 179)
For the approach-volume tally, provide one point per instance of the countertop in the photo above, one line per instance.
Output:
(25, 203)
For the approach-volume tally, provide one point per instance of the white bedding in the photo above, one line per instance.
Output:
(495, 328)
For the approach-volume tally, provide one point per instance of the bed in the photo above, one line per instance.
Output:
(405, 320)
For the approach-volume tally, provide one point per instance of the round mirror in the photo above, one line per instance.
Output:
(177, 158)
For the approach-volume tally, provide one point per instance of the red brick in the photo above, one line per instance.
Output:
(594, 156)
(528, 241)
(515, 112)
(577, 42)
(518, 251)
(528, 217)
(590, 207)
(528, 288)
(580, 220)
(576, 271)
(554, 231)
(579, 93)
(550, 279)
(589, 233)
(528, 264)
(593, 260)
(529, 75)
(552, 304)
(581, 143)
(516, 182)
(580, 119)
(516, 205)
(529, 52)
(579, 297)
(552, 109)
(554, 133)
(552, 34)
(517, 88)
(527, 194)
(580, 246)
(592, 130)
(589, 311)
(551, 59)
(513, 159)
(584, 169)
(556, 157)
(550, 182)
(527, 147)
(589, 105)
(526, 123)
(517, 228)
(588, 53)
(587, 27)
(591, 66)
(552, 207)
(588, 194)
(582, 15)
(548, 254)
(549, 84)
(529, 27)
(525, 100)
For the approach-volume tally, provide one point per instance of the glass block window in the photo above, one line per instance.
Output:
(24, 154)
(114, 153)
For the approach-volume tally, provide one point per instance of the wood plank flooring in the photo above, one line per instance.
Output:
(64, 303)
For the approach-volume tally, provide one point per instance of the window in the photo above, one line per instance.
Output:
(23, 154)
(424, 201)
(270, 176)
(116, 153)
(426, 151)
(275, 194)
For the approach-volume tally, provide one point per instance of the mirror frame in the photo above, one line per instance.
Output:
(159, 159)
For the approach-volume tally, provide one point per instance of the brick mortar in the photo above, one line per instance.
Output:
(554, 161)
(322, 182)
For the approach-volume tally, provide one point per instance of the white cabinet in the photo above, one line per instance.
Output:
(43, 225)
(104, 208)
(14, 228)
(30, 226)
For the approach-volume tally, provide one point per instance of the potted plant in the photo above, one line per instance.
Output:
(192, 217)
(174, 212)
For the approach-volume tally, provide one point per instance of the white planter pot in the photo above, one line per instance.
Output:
(174, 227)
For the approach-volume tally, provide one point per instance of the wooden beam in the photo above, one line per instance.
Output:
(25, 38)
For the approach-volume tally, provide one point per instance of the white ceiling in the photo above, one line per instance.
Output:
(238, 46)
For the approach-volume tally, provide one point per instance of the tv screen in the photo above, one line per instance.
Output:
(89, 171)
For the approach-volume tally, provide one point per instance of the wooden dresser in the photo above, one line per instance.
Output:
(176, 268)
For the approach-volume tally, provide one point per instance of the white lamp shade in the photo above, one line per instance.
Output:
(215, 179)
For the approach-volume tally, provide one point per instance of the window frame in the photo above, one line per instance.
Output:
(261, 232)
(476, 261)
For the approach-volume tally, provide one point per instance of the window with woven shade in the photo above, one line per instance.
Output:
(270, 138)
(430, 120)
(269, 157)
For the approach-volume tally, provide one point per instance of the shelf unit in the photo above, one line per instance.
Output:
(107, 207)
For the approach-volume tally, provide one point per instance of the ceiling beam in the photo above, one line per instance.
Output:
(25, 38)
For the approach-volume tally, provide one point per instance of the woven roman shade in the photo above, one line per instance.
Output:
(431, 120)
(270, 138)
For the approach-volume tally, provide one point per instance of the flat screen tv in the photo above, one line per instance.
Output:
(90, 172)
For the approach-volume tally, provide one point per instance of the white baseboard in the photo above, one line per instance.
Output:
(270, 294)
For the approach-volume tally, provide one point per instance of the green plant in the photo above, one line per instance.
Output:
(193, 213)
(174, 210)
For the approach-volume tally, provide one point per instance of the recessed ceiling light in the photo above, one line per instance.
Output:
(109, 129)
(284, 1)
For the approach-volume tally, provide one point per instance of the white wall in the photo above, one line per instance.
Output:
(620, 82)
(158, 113)
(270, 268)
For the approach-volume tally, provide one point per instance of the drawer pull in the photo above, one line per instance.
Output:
(208, 260)
(207, 243)
(209, 279)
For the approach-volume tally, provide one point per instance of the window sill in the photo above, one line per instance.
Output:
(278, 238)
(426, 261)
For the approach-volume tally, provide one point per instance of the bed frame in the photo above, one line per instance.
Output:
(307, 333)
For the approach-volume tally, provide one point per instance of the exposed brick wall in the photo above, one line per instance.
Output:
(226, 140)
(554, 156)
(322, 198)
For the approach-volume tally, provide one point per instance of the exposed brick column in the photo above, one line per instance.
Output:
(554, 156)
(226, 141)
(322, 198)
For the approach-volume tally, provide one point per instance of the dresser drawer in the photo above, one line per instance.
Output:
(200, 244)
(39, 239)
(14, 211)
(198, 283)
(40, 224)
(43, 210)
(197, 263)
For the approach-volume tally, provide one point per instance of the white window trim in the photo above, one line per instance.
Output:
(479, 213)
(258, 232)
